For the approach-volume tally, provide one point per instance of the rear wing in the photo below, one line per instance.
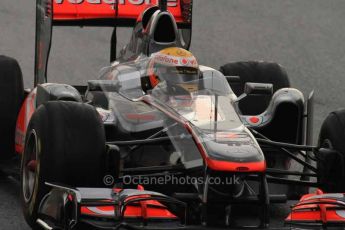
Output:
(108, 12)
(111, 13)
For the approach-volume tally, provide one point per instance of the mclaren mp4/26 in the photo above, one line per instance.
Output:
(155, 113)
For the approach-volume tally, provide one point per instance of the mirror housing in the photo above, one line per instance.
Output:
(257, 89)
(254, 89)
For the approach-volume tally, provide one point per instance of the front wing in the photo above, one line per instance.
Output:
(318, 211)
(103, 208)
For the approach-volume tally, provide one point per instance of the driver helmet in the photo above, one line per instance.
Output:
(177, 67)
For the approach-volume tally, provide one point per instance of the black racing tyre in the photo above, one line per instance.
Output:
(331, 167)
(11, 96)
(65, 143)
(258, 72)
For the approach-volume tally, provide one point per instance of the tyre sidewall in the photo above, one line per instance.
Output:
(11, 97)
(332, 135)
(70, 148)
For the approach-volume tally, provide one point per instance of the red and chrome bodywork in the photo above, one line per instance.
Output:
(318, 210)
(66, 11)
(256, 164)
(125, 13)
(102, 208)
(149, 209)
(26, 111)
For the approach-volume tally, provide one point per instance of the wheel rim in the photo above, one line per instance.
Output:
(29, 167)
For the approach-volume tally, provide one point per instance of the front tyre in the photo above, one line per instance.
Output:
(331, 166)
(11, 97)
(65, 143)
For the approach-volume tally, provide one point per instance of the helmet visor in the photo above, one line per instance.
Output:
(177, 75)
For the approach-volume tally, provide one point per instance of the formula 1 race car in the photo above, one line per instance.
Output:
(158, 141)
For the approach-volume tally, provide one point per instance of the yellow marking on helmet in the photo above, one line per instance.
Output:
(177, 52)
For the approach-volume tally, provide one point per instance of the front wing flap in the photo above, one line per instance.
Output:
(318, 211)
(103, 208)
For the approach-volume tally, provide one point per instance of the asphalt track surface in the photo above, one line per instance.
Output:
(305, 36)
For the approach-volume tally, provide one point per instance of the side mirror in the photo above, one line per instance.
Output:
(251, 88)
(255, 89)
